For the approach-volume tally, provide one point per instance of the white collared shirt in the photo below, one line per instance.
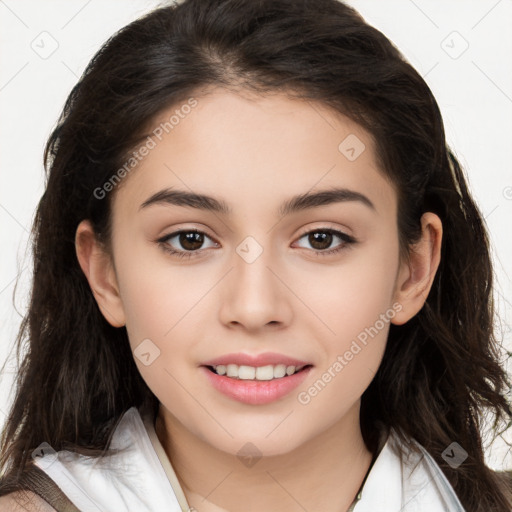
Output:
(140, 477)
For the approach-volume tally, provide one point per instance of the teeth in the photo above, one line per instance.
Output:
(221, 369)
(268, 372)
(247, 372)
(232, 370)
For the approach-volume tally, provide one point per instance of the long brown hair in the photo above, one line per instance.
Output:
(441, 371)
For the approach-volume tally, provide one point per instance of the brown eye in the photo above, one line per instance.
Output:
(191, 240)
(321, 239)
(188, 243)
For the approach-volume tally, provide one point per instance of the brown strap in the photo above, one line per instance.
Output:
(39, 482)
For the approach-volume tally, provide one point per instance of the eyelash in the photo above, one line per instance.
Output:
(347, 242)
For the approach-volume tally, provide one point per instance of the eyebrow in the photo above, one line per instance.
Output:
(295, 204)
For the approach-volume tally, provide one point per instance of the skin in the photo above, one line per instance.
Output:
(255, 153)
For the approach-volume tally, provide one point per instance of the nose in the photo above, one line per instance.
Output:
(255, 295)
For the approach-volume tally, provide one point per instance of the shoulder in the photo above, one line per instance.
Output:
(24, 501)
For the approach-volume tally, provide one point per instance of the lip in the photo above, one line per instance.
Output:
(263, 359)
(255, 392)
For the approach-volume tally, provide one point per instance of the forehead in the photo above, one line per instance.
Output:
(252, 149)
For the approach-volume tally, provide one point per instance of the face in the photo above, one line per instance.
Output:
(308, 285)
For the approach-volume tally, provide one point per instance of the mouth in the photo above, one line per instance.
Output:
(255, 385)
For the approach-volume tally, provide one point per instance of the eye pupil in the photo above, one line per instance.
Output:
(322, 237)
(191, 240)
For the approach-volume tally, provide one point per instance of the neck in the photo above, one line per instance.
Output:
(325, 473)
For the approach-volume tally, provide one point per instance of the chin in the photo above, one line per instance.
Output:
(258, 442)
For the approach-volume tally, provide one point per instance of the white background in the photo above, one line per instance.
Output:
(473, 87)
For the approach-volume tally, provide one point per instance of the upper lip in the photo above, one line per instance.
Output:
(263, 359)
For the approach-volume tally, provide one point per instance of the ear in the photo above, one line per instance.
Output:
(98, 268)
(415, 277)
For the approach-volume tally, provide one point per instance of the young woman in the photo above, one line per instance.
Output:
(260, 281)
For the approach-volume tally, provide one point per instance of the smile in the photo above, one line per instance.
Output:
(255, 385)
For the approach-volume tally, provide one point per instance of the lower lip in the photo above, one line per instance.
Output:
(255, 392)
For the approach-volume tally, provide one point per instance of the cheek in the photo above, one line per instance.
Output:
(353, 294)
(164, 309)
(354, 301)
(161, 304)
(157, 293)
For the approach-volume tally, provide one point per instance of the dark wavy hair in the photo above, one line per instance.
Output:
(441, 372)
